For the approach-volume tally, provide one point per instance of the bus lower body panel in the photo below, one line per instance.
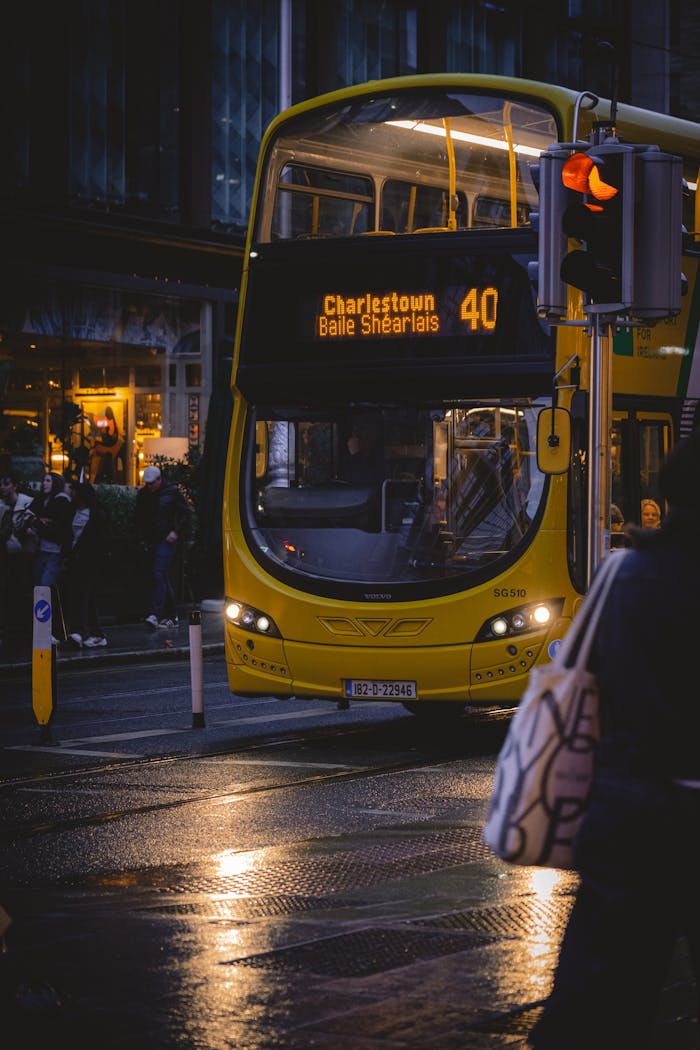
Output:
(488, 673)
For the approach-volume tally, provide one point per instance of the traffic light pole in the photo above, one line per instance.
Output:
(621, 203)
(599, 423)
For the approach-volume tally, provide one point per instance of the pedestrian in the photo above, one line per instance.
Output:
(361, 461)
(162, 523)
(636, 850)
(84, 564)
(17, 552)
(52, 511)
(617, 526)
(651, 514)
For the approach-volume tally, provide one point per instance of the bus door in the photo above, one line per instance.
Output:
(640, 441)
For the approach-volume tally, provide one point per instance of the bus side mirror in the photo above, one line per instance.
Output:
(553, 440)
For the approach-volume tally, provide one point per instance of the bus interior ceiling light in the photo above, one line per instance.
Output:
(464, 136)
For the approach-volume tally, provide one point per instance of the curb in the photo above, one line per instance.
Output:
(123, 656)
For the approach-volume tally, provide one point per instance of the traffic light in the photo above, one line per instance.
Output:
(552, 293)
(623, 203)
(658, 235)
(600, 214)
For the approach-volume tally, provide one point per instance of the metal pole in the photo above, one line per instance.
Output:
(196, 669)
(599, 421)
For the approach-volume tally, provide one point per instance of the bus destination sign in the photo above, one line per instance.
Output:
(396, 314)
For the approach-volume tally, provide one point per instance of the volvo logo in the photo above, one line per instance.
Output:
(372, 597)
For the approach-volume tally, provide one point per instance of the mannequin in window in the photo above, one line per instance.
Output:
(106, 448)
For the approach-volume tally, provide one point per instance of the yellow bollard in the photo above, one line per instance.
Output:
(43, 663)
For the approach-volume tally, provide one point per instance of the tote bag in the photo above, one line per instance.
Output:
(545, 766)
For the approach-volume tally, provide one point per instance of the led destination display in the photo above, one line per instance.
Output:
(347, 308)
(400, 314)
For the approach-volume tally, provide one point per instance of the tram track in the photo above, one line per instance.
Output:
(17, 831)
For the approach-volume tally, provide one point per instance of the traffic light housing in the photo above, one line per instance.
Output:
(552, 292)
(658, 235)
(623, 204)
(600, 215)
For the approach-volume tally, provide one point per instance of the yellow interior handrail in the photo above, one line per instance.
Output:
(356, 209)
(451, 215)
(411, 209)
(512, 170)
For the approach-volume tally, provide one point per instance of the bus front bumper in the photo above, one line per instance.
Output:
(489, 672)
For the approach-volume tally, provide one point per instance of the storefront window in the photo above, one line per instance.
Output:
(25, 431)
(85, 350)
(25, 380)
(99, 378)
(193, 375)
(59, 379)
(147, 375)
(148, 413)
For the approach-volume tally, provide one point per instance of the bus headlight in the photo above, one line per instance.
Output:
(250, 619)
(530, 617)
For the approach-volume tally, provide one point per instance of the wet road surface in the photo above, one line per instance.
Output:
(321, 889)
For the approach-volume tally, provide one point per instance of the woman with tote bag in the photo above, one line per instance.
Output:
(636, 849)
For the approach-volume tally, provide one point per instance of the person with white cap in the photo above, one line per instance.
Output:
(162, 522)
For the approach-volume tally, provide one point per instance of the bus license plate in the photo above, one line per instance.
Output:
(380, 689)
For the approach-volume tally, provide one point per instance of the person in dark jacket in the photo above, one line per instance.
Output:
(636, 850)
(17, 553)
(52, 512)
(89, 547)
(162, 522)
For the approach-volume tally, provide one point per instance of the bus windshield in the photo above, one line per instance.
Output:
(393, 495)
(404, 163)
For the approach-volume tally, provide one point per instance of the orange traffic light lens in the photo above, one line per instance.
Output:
(579, 173)
(575, 172)
(602, 191)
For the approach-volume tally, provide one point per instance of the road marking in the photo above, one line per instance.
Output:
(402, 814)
(144, 734)
(286, 715)
(60, 750)
(129, 694)
(278, 762)
(112, 737)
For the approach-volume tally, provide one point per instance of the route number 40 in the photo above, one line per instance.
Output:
(479, 308)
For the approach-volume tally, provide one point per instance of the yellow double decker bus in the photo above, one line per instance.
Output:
(388, 532)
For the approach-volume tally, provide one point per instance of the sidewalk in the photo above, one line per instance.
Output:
(127, 643)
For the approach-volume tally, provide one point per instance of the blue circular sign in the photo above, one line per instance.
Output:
(552, 648)
(42, 611)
